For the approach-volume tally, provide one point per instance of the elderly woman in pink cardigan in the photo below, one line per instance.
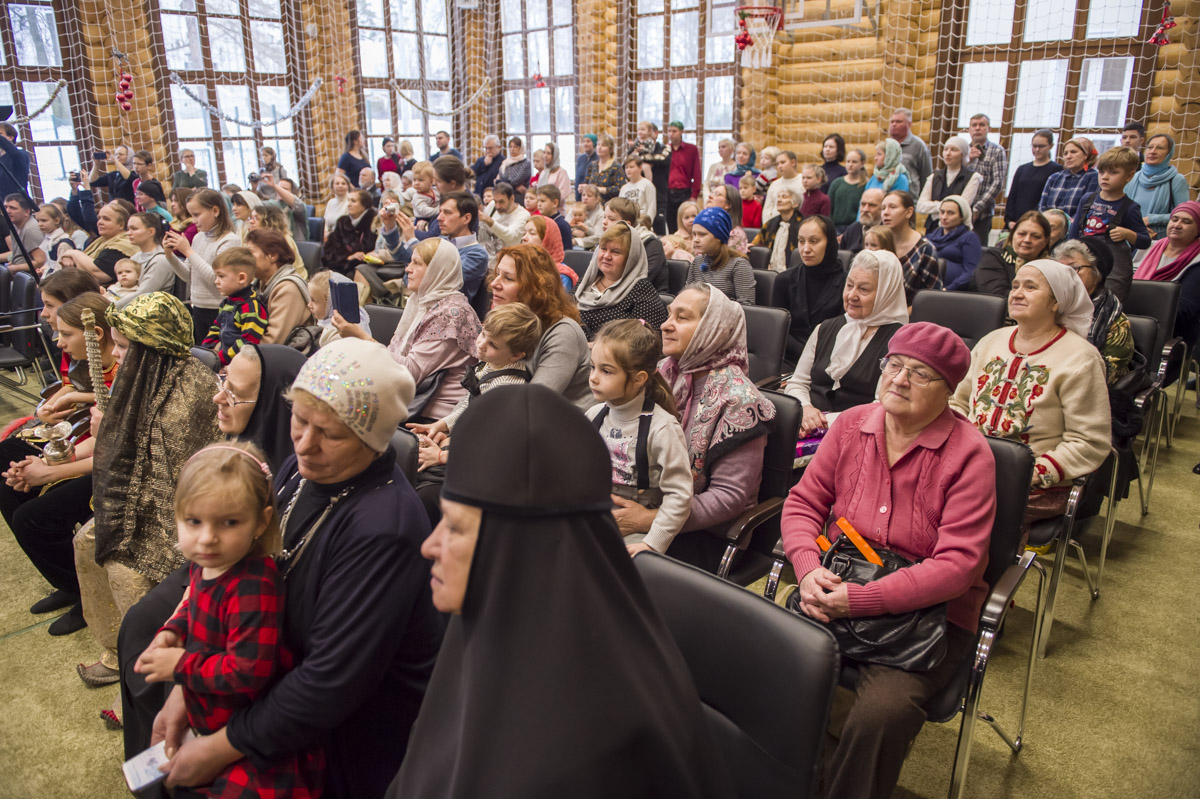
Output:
(913, 476)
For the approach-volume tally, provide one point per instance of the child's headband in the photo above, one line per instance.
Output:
(260, 464)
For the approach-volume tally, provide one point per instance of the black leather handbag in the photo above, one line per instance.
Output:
(913, 641)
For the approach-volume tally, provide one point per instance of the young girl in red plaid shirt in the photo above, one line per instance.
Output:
(224, 643)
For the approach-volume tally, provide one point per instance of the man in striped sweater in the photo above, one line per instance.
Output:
(241, 319)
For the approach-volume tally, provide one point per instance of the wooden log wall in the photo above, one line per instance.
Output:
(324, 24)
(1176, 103)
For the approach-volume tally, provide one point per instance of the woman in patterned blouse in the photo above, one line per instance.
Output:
(605, 173)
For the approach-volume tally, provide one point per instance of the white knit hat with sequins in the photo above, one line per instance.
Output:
(368, 390)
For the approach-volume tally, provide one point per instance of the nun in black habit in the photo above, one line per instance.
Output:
(811, 292)
(557, 677)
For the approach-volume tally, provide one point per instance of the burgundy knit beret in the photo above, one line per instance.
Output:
(935, 346)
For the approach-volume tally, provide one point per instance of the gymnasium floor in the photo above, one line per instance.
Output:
(1114, 709)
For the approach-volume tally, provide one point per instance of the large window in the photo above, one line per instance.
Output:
(407, 41)
(684, 68)
(31, 64)
(231, 54)
(1079, 67)
(538, 43)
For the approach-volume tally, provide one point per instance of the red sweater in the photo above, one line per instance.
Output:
(751, 213)
(936, 505)
(815, 203)
(685, 169)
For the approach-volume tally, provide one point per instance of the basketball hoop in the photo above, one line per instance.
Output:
(758, 25)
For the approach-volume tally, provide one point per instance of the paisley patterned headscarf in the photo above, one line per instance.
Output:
(159, 320)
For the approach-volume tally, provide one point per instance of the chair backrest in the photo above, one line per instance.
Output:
(312, 209)
(750, 232)
(765, 676)
(310, 254)
(972, 316)
(207, 357)
(764, 286)
(1158, 299)
(845, 257)
(384, 320)
(406, 445)
(1014, 471)
(25, 314)
(316, 228)
(666, 298)
(760, 257)
(677, 274)
(766, 340)
(780, 454)
(6, 280)
(1146, 336)
(579, 260)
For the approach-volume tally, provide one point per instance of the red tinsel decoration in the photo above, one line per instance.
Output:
(1160, 34)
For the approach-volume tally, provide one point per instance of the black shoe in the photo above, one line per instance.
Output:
(56, 601)
(69, 622)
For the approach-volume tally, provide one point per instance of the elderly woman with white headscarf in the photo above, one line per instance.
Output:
(955, 177)
(436, 337)
(617, 285)
(839, 367)
(1043, 383)
(956, 242)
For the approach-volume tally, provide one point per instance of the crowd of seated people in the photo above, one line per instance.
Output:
(301, 418)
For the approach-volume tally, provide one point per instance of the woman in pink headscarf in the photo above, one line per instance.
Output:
(549, 239)
(1173, 258)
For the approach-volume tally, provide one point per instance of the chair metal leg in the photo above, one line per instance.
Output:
(1180, 391)
(1161, 412)
(773, 580)
(1060, 561)
(727, 561)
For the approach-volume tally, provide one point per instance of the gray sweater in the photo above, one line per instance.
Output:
(670, 474)
(196, 269)
(562, 362)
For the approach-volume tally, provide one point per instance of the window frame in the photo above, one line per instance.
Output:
(952, 47)
(527, 84)
(67, 25)
(629, 75)
(421, 84)
(294, 78)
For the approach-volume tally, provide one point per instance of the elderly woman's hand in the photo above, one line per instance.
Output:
(429, 454)
(823, 595)
(632, 517)
(812, 421)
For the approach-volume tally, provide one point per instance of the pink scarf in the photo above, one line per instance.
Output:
(1152, 268)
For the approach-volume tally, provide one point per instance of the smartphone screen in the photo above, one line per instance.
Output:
(344, 297)
(99, 155)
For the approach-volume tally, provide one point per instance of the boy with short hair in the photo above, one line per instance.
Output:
(422, 197)
(751, 207)
(549, 204)
(1114, 217)
(128, 272)
(241, 319)
(638, 189)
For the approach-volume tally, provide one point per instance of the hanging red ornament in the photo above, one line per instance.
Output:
(743, 40)
(124, 85)
(1159, 37)
(126, 76)
(126, 106)
(341, 84)
(128, 95)
(120, 96)
(537, 80)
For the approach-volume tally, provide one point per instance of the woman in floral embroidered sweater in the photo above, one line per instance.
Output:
(1043, 383)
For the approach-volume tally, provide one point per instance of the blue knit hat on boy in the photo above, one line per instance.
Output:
(716, 221)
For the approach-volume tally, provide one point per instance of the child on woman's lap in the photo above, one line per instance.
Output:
(223, 645)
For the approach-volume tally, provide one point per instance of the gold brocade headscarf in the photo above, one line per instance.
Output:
(159, 320)
(119, 242)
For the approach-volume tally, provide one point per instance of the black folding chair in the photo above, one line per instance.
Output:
(756, 532)
(677, 274)
(972, 316)
(406, 445)
(760, 258)
(765, 676)
(22, 333)
(766, 341)
(764, 286)
(1159, 299)
(207, 357)
(579, 260)
(316, 228)
(384, 320)
(310, 255)
(1150, 398)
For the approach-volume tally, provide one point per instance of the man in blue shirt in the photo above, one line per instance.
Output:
(442, 138)
(458, 220)
(487, 167)
(14, 179)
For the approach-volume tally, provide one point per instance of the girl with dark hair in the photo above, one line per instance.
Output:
(146, 231)
(833, 153)
(812, 291)
(352, 237)
(998, 266)
(192, 260)
(917, 255)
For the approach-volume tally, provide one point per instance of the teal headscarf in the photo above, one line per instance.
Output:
(1158, 174)
(892, 167)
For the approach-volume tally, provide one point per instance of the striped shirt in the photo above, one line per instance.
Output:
(735, 279)
(241, 320)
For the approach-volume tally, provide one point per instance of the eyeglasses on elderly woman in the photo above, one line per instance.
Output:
(916, 375)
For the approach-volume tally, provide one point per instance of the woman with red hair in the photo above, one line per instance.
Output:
(548, 238)
(527, 274)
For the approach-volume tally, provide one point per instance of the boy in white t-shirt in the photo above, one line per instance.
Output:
(638, 188)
